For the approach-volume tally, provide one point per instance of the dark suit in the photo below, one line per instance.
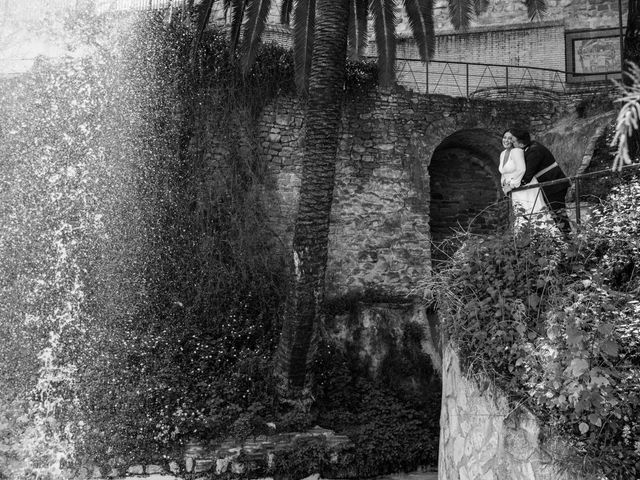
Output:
(537, 158)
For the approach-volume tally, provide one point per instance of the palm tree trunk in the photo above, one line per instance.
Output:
(304, 308)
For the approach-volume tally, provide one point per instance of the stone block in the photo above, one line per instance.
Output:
(174, 467)
(189, 463)
(82, 473)
(283, 119)
(203, 465)
(458, 449)
(222, 465)
(464, 474)
(135, 470)
(315, 476)
(238, 468)
(153, 469)
(113, 473)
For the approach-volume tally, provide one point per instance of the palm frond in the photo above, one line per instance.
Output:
(536, 8)
(304, 26)
(256, 13)
(285, 11)
(204, 13)
(358, 35)
(628, 120)
(461, 12)
(480, 6)
(237, 8)
(420, 15)
(383, 12)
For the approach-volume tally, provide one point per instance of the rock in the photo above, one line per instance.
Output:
(135, 470)
(82, 473)
(114, 473)
(315, 476)
(152, 469)
(203, 465)
(174, 467)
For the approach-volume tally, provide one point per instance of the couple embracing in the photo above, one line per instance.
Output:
(526, 162)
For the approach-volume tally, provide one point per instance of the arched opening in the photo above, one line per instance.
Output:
(465, 187)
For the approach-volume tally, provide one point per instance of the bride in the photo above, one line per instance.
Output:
(528, 205)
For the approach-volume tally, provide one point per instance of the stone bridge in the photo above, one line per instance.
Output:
(412, 169)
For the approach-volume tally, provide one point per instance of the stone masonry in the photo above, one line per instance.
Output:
(482, 437)
(390, 143)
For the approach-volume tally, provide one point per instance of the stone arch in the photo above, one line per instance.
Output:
(465, 184)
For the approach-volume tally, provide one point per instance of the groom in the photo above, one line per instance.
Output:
(541, 164)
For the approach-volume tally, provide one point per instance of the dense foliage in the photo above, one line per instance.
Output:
(556, 325)
(393, 420)
(139, 306)
(140, 296)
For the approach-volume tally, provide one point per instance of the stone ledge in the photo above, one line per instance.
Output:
(227, 457)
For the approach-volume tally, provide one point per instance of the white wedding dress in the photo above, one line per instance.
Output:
(528, 205)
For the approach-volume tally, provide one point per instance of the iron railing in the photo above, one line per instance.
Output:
(465, 79)
(575, 182)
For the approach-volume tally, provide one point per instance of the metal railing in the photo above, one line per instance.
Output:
(575, 183)
(466, 79)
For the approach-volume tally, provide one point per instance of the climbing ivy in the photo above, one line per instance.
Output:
(555, 325)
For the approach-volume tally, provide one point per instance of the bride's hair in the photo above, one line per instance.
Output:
(521, 135)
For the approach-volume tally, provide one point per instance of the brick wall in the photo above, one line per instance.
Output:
(538, 45)
(575, 14)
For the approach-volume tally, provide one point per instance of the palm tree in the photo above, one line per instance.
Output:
(322, 31)
(324, 113)
(631, 56)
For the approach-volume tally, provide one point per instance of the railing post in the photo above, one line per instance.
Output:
(512, 217)
(426, 77)
(506, 78)
(467, 73)
(577, 196)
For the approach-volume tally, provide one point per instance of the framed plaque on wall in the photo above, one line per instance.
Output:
(592, 55)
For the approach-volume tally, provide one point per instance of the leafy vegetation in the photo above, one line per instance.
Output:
(143, 287)
(556, 325)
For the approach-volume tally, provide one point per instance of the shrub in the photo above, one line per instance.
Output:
(172, 288)
(554, 326)
(391, 429)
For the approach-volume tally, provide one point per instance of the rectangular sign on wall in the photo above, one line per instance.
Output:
(593, 55)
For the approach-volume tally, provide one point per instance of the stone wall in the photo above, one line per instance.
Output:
(252, 458)
(483, 437)
(380, 222)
